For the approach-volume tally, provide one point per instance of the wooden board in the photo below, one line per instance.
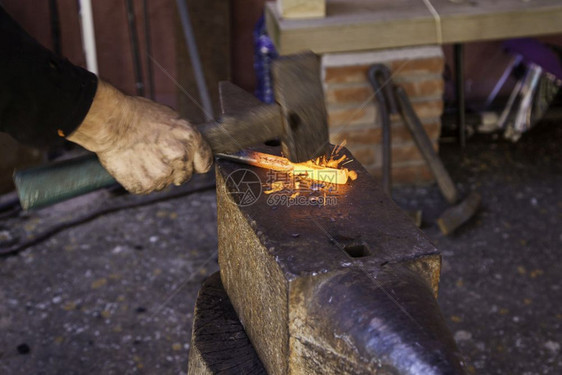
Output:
(498, 19)
(302, 8)
(354, 25)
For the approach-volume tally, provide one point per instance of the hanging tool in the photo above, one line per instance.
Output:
(88, 35)
(195, 60)
(299, 119)
(55, 27)
(148, 49)
(137, 66)
(392, 99)
(380, 78)
(459, 214)
(425, 146)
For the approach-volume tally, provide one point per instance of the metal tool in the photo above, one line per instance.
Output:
(135, 50)
(425, 146)
(298, 119)
(459, 75)
(380, 78)
(393, 99)
(462, 212)
(189, 35)
(148, 49)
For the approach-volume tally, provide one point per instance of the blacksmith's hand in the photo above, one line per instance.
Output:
(144, 145)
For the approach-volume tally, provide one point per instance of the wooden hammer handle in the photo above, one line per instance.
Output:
(425, 146)
(56, 182)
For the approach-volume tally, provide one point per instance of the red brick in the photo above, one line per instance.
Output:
(346, 95)
(343, 74)
(362, 94)
(358, 73)
(399, 134)
(433, 130)
(405, 152)
(418, 66)
(428, 109)
(366, 114)
(356, 136)
(364, 155)
(431, 87)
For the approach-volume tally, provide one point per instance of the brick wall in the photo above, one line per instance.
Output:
(352, 112)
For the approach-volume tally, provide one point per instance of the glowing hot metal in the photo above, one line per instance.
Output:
(321, 169)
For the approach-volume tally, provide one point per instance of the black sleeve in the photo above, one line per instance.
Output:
(42, 96)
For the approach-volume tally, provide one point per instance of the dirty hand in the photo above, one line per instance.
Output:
(145, 146)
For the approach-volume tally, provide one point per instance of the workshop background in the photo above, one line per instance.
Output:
(224, 33)
(116, 295)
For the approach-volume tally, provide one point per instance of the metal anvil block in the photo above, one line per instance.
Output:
(346, 286)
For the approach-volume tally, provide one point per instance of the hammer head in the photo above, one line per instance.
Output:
(298, 91)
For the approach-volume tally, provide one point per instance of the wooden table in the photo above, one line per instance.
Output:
(354, 25)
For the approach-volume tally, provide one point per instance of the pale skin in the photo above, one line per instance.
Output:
(144, 145)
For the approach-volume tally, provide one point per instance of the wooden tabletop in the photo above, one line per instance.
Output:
(354, 25)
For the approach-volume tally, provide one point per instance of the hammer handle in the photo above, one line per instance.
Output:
(425, 146)
(55, 182)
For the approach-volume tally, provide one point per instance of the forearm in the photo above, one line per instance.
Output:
(106, 121)
(42, 96)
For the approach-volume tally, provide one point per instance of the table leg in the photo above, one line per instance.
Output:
(459, 73)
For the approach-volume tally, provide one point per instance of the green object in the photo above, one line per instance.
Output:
(56, 182)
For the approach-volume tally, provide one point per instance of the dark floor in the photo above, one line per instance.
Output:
(115, 295)
(501, 287)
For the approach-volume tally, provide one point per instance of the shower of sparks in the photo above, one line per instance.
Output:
(320, 175)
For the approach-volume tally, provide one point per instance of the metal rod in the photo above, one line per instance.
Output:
(88, 35)
(139, 83)
(459, 72)
(505, 115)
(444, 181)
(505, 75)
(55, 27)
(148, 49)
(279, 163)
(380, 78)
(522, 120)
(195, 60)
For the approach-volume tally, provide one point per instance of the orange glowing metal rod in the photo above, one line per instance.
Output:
(309, 170)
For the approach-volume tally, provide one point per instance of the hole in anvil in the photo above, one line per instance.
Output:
(273, 143)
(356, 250)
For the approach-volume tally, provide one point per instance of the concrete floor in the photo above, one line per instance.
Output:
(115, 295)
(501, 290)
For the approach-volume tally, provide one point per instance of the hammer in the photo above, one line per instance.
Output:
(298, 119)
